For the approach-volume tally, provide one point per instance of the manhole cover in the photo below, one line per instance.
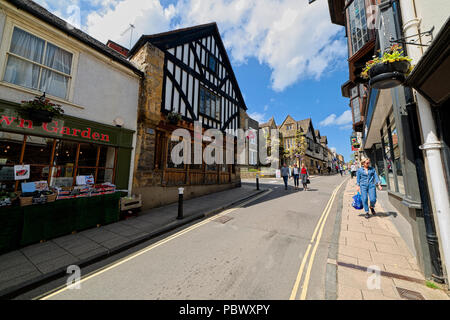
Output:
(409, 295)
(223, 220)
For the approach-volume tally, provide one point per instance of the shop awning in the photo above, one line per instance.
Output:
(431, 76)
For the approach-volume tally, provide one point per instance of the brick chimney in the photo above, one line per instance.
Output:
(117, 47)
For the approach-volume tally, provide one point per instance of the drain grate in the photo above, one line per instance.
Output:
(409, 295)
(223, 219)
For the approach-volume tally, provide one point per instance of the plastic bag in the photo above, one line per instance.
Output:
(357, 202)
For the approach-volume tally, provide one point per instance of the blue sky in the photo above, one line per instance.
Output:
(288, 57)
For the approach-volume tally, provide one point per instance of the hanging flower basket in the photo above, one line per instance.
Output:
(174, 118)
(389, 71)
(41, 110)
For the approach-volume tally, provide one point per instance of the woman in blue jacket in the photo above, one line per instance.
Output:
(367, 181)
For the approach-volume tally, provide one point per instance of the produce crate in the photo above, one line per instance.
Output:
(26, 201)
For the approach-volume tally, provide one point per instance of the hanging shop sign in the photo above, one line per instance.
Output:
(22, 172)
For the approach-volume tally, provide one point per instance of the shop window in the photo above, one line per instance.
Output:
(37, 64)
(38, 151)
(65, 153)
(388, 158)
(10, 148)
(88, 155)
(105, 175)
(62, 176)
(39, 173)
(53, 160)
(397, 161)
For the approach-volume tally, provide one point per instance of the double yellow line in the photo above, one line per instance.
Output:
(63, 288)
(315, 240)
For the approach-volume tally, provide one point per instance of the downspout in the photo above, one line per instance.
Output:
(432, 146)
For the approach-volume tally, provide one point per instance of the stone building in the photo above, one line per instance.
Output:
(187, 74)
(316, 153)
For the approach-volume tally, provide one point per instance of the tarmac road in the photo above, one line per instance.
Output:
(260, 250)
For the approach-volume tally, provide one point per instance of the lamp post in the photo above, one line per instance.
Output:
(180, 203)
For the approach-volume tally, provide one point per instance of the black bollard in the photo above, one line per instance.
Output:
(180, 203)
(257, 182)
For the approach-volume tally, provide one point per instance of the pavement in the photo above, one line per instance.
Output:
(252, 251)
(377, 244)
(37, 263)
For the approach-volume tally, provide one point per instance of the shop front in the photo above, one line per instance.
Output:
(69, 171)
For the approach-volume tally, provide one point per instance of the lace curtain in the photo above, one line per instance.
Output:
(27, 74)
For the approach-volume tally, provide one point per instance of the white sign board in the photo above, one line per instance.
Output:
(278, 174)
(22, 172)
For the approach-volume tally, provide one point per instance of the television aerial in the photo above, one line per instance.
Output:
(129, 29)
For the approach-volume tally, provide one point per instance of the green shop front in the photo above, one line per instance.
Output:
(58, 153)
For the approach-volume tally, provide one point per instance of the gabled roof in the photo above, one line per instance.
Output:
(304, 124)
(324, 140)
(270, 123)
(287, 118)
(41, 13)
(178, 37)
(317, 132)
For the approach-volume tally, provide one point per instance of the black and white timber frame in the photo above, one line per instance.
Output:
(186, 70)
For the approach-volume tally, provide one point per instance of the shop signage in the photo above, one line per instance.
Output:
(54, 128)
(22, 172)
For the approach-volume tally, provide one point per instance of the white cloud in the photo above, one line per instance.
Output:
(296, 40)
(260, 117)
(343, 120)
(147, 16)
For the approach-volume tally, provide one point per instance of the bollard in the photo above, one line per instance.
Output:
(257, 182)
(180, 203)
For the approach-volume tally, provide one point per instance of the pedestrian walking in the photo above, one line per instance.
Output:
(319, 169)
(329, 170)
(367, 181)
(340, 169)
(296, 176)
(305, 176)
(285, 173)
(353, 170)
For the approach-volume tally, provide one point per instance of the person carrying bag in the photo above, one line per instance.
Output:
(304, 174)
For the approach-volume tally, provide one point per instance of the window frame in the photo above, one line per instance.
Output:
(48, 36)
(354, 48)
(219, 99)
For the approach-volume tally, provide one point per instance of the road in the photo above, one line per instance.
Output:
(262, 249)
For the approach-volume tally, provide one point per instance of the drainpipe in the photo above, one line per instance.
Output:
(432, 146)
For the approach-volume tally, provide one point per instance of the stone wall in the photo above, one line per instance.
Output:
(150, 60)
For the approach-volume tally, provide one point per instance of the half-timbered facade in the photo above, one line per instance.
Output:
(187, 72)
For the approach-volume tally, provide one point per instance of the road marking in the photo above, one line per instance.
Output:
(313, 255)
(319, 226)
(96, 273)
